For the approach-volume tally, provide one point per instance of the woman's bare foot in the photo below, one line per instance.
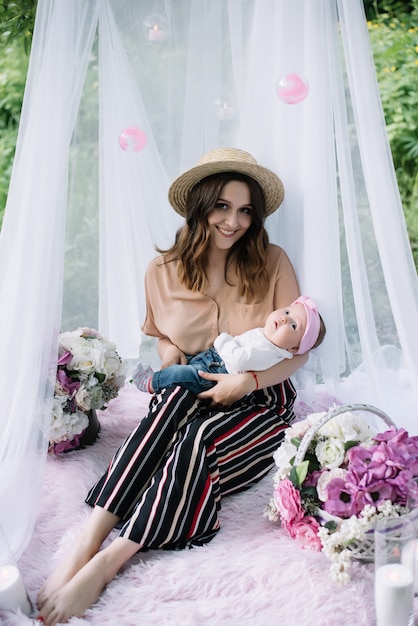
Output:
(85, 587)
(62, 575)
(77, 595)
(100, 523)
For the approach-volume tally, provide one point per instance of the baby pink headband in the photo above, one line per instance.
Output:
(312, 324)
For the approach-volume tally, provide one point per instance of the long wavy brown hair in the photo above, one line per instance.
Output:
(249, 254)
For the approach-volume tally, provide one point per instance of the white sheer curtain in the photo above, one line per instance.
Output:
(123, 96)
(31, 256)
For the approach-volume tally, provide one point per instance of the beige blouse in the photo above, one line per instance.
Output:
(192, 320)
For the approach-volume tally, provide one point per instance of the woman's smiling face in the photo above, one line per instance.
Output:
(232, 215)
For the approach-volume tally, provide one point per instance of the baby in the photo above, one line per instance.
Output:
(292, 330)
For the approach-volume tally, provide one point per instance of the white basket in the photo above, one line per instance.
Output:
(363, 550)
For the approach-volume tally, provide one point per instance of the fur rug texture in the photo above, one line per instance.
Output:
(251, 574)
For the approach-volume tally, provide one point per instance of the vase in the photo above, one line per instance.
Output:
(92, 431)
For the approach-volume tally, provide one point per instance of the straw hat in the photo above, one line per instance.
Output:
(227, 160)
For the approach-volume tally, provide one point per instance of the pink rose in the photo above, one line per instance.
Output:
(305, 531)
(288, 502)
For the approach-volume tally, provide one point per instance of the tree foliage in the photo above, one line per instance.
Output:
(394, 40)
(17, 21)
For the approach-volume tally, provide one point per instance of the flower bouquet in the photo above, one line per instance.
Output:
(89, 374)
(335, 477)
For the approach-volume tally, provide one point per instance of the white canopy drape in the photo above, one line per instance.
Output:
(123, 96)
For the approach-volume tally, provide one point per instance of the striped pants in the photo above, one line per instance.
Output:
(166, 480)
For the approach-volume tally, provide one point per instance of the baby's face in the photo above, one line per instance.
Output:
(285, 327)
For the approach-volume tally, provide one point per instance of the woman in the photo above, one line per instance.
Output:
(165, 483)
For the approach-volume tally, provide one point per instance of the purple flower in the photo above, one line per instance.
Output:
(67, 383)
(377, 461)
(65, 358)
(404, 448)
(311, 480)
(401, 485)
(374, 494)
(341, 498)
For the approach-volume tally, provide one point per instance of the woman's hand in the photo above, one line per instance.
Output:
(232, 387)
(228, 389)
(170, 354)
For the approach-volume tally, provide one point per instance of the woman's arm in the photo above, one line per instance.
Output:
(170, 354)
(232, 387)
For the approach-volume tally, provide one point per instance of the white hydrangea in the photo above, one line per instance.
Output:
(66, 425)
(348, 427)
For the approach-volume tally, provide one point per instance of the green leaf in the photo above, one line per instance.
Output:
(298, 474)
(331, 526)
(350, 444)
(309, 492)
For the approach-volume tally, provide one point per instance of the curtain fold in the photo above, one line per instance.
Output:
(121, 97)
(31, 256)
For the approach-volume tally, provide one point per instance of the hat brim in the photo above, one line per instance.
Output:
(269, 182)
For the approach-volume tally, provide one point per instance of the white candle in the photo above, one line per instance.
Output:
(155, 33)
(394, 595)
(410, 560)
(13, 594)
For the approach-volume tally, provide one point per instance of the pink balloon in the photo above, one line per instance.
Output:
(292, 88)
(133, 137)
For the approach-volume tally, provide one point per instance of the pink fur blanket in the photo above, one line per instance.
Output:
(250, 574)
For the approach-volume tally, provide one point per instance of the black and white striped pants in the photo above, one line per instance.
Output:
(166, 480)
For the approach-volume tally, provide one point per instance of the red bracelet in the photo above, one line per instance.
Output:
(256, 380)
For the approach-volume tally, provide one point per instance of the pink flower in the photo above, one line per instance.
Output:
(288, 502)
(305, 531)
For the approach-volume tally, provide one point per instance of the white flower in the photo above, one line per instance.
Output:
(347, 427)
(90, 373)
(271, 511)
(330, 452)
(66, 425)
(88, 358)
(282, 457)
(82, 398)
(324, 479)
(297, 430)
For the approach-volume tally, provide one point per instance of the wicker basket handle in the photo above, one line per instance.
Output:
(310, 434)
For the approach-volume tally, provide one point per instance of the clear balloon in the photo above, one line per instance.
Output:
(224, 109)
(156, 28)
(133, 137)
(292, 88)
